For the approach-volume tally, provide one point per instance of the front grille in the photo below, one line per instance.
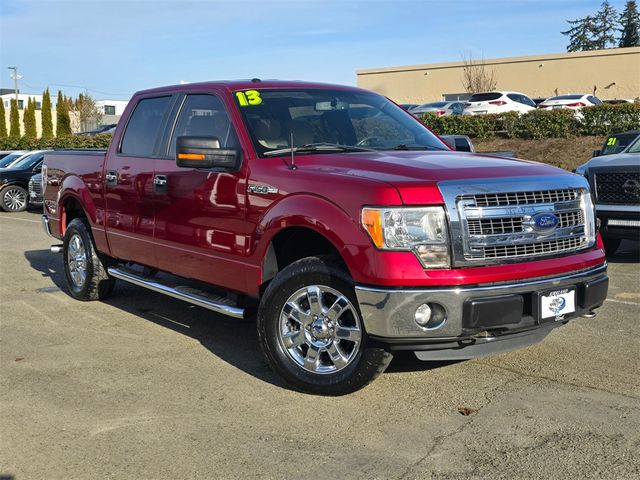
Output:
(35, 187)
(522, 198)
(531, 249)
(618, 187)
(502, 226)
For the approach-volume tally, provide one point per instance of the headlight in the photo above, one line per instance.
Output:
(422, 230)
(589, 210)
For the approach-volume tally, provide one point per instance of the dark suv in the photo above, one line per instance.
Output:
(14, 182)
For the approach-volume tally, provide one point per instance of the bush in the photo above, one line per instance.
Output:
(537, 124)
(26, 143)
(604, 119)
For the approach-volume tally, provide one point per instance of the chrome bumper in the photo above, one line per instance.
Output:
(46, 226)
(388, 314)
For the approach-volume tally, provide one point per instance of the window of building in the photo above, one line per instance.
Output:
(142, 131)
(452, 97)
(20, 104)
(109, 109)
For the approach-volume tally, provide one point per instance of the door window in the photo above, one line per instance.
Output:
(203, 115)
(145, 125)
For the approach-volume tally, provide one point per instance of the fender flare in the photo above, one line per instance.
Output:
(73, 187)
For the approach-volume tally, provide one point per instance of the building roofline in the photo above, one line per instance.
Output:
(506, 60)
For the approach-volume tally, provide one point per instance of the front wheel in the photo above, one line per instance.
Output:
(311, 331)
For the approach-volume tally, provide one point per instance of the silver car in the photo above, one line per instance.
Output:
(441, 109)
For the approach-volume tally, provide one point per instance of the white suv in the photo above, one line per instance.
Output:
(498, 102)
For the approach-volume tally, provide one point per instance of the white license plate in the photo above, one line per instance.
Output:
(557, 107)
(558, 303)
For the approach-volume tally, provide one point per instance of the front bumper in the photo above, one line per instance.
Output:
(480, 320)
(619, 221)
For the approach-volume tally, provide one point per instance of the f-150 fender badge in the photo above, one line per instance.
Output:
(261, 189)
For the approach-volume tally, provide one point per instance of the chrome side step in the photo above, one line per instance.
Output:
(206, 300)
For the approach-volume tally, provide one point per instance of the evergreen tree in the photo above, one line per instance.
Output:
(605, 26)
(630, 25)
(581, 34)
(63, 126)
(47, 120)
(29, 119)
(3, 121)
(14, 119)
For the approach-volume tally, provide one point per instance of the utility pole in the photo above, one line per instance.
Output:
(15, 77)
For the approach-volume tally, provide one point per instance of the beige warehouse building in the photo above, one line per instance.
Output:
(612, 73)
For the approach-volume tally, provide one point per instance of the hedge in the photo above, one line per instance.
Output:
(597, 120)
(25, 143)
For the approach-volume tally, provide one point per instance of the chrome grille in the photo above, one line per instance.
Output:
(522, 198)
(502, 220)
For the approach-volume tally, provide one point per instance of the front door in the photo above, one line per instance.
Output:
(128, 180)
(201, 230)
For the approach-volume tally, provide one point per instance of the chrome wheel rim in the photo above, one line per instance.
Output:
(77, 260)
(320, 329)
(15, 199)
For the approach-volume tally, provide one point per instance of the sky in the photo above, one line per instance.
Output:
(112, 48)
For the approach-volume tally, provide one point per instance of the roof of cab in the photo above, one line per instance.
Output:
(233, 85)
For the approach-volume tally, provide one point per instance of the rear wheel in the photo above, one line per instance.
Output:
(13, 198)
(85, 268)
(311, 331)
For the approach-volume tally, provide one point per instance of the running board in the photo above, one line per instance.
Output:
(206, 300)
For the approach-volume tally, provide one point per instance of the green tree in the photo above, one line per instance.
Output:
(630, 25)
(605, 26)
(63, 121)
(47, 120)
(3, 121)
(14, 119)
(581, 34)
(29, 119)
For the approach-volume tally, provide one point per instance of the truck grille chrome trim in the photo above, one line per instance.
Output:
(504, 225)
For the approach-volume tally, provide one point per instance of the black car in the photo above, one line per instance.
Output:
(14, 182)
(35, 191)
(617, 143)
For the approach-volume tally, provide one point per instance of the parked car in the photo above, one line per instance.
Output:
(617, 101)
(441, 109)
(498, 102)
(574, 101)
(12, 157)
(14, 182)
(100, 130)
(615, 180)
(350, 238)
(408, 106)
(35, 190)
(617, 143)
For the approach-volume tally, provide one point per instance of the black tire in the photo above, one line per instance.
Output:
(14, 198)
(366, 362)
(96, 284)
(611, 245)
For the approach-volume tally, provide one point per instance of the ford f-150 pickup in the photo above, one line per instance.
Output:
(338, 220)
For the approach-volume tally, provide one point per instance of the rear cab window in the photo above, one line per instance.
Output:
(144, 127)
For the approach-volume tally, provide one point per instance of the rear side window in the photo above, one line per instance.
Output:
(485, 97)
(203, 115)
(594, 100)
(143, 128)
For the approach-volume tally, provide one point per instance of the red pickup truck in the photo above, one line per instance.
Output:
(347, 227)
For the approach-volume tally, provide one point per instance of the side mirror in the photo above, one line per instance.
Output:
(596, 153)
(205, 152)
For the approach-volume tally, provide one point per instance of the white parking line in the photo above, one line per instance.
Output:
(21, 219)
(621, 301)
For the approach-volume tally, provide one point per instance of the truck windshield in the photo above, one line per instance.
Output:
(315, 120)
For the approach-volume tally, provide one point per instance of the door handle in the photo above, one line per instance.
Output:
(160, 180)
(111, 177)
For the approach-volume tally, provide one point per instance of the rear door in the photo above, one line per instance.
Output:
(128, 181)
(201, 228)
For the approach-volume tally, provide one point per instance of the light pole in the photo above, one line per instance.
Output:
(15, 77)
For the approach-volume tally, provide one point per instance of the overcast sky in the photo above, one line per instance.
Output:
(113, 48)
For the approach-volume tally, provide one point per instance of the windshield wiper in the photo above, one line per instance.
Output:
(317, 147)
(416, 146)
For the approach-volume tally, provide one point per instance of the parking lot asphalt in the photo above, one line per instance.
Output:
(142, 386)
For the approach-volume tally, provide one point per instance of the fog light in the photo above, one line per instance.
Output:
(430, 316)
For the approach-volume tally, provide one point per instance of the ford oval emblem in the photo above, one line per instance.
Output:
(544, 222)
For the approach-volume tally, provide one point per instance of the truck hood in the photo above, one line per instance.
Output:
(416, 174)
(615, 160)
